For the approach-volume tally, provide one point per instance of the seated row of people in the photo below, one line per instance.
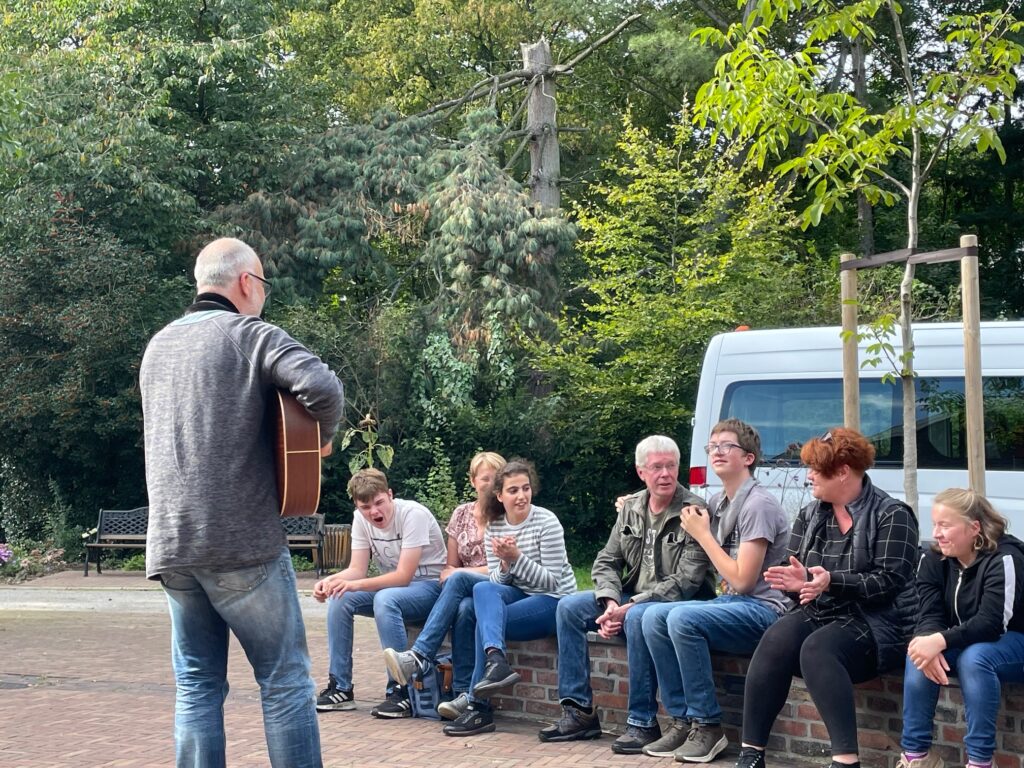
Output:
(834, 600)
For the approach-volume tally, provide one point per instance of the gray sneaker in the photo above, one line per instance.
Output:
(635, 739)
(402, 665)
(703, 744)
(450, 710)
(673, 739)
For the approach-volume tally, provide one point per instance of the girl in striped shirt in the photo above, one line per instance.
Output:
(529, 573)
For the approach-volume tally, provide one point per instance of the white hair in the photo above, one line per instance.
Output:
(222, 261)
(655, 444)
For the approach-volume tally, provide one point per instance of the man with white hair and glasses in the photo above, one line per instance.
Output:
(215, 539)
(648, 560)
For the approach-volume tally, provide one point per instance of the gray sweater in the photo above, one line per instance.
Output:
(206, 381)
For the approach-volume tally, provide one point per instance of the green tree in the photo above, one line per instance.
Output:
(77, 307)
(679, 247)
(952, 75)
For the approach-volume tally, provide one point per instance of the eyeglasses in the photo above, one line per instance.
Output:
(826, 438)
(267, 285)
(721, 448)
(657, 469)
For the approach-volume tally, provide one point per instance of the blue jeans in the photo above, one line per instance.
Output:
(507, 613)
(390, 608)
(981, 668)
(260, 605)
(681, 636)
(453, 610)
(576, 614)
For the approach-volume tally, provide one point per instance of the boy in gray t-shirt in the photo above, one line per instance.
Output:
(405, 541)
(743, 531)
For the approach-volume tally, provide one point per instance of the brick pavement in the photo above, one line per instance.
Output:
(95, 689)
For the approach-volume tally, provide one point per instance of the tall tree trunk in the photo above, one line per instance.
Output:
(865, 213)
(541, 126)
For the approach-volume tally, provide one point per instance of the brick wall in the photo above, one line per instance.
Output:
(798, 733)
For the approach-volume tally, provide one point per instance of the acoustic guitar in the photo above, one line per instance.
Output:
(297, 442)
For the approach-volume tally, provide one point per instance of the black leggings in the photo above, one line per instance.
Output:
(829, 658)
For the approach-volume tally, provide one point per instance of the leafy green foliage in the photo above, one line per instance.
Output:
(76, 310)
(767, 98)
(370, 451)
(679, 247)
(497, 255)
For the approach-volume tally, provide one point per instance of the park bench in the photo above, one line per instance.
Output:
(117, 529)
(126, 529)
(307, 532)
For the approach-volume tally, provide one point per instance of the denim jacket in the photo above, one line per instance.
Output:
(682, 566)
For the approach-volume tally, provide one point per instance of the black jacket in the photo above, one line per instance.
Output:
(880, 586)
(976, 604)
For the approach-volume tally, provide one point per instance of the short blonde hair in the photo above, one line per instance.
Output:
(485, 459)
(972, 506)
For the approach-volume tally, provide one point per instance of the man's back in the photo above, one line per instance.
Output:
(205, 382)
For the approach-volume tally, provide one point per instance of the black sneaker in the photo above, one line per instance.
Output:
(633, 741)
(332, 698)
(750, 758)
(497, 675)
(476, 719)
(396, 705)
(574, 725)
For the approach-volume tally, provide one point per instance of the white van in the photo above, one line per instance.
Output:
(788, 384)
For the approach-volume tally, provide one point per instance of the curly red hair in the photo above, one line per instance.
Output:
(838, 446)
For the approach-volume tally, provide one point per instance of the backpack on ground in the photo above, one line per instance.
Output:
(430, 688)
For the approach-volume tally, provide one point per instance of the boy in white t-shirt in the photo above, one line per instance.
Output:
(405, 541)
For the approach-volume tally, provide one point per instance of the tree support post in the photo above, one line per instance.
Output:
(851, 367)
(973, 386)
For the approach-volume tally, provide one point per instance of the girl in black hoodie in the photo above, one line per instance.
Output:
(971, 621)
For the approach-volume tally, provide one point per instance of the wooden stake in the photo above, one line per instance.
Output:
(851, 366)
(973, 385)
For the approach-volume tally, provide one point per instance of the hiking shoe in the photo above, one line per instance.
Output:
(396, 705)
(497, 675)
(750, 758)
(402, 665)
(633, 741)
(574, 725)
(931, 760)
(673, 739)
(333, 698)
(476, 719)
(702, 745)
(450, 710)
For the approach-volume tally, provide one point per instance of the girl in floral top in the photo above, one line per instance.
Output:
(467, 564)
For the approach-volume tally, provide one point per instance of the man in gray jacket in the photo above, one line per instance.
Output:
(649, 559)
(215, 539)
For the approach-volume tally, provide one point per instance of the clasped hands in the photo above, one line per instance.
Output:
(796, 577)
(609, 623)
(925, 653)
(332, 586)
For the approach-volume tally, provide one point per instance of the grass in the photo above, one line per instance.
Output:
(583, 580)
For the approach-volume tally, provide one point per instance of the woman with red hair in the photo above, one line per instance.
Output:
(852, 556)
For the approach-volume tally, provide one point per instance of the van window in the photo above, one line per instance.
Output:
(788, 412)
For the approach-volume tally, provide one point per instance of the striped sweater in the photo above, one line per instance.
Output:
(543, 566)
